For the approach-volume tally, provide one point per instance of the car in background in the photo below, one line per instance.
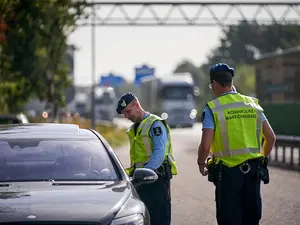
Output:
(60, 173)
(13, 119)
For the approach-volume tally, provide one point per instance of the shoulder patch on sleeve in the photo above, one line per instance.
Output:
(157, 131)
(202, 116)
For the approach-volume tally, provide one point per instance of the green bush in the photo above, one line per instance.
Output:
(284, 118)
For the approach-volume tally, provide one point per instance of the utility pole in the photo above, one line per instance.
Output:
(52, 98)
(93, 59)
(50, 76)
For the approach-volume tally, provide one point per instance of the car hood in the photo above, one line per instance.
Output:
(62, 201)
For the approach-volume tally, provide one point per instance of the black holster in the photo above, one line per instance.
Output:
(212, 170)
(215, 175)
(263, 172)
(164, 170)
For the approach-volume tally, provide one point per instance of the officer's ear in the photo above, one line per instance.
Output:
(136, 103)
(217, 84)
(130, 106)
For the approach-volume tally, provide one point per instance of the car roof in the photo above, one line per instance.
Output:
(45, 130)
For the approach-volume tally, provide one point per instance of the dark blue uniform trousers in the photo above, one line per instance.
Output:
(238, 200)
(157, 198)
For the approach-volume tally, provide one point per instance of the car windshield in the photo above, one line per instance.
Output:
(177, 93)
(105, 98)
(59, 160)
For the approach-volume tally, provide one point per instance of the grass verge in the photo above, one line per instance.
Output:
(113, 134)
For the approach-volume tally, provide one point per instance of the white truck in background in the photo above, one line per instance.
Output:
(171, 97)
(80, 104)
(105, 103)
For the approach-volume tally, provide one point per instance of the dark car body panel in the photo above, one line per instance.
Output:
(89, 203)
(78, 202)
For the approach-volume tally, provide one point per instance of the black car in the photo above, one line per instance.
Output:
(13, 119)
(61, 174)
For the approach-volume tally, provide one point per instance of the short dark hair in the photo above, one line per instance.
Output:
(223, 78)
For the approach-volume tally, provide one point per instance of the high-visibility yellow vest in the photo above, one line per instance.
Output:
(141, 147)
(238, 128)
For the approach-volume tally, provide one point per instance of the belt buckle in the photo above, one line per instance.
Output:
(245, 168)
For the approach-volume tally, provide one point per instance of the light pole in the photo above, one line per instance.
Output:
(93, 59)
(50, 76)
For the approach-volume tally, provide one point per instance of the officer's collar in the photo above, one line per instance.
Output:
(229, 92)
(146, 115)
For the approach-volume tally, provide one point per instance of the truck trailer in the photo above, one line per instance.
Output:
(170, 97)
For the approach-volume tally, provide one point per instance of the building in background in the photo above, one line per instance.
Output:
(278, 76)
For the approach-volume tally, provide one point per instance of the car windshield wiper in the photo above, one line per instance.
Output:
(77, 183)
(3, 182)
(53, 182)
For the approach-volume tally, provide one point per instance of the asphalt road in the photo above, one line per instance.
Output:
(193, 196)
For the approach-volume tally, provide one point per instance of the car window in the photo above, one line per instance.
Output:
(37, 159)
(177, 93)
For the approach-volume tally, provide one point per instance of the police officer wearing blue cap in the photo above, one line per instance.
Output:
(150, 147)
(233, 126)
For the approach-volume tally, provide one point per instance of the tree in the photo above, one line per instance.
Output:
(238, 48)
(240, 44)
(34, 46)
(186, 66)
(244, 79)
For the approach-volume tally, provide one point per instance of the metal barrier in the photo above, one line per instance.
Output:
(286, 153)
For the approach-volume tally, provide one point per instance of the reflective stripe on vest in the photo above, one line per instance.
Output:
(219, 109)
(145, 128)
(144, 134)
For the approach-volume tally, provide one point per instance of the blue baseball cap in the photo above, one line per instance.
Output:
(124, 101)
(220, 68)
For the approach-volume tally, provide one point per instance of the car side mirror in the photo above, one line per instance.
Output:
(143, 176)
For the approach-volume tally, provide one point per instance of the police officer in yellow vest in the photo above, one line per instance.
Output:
(150, 147)
(233, 126)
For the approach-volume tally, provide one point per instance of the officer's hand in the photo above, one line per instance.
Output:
(203, 170)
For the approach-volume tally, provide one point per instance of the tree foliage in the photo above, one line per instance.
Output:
(240, 44)
(33, 47)
(238, 47)
(244, 79)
